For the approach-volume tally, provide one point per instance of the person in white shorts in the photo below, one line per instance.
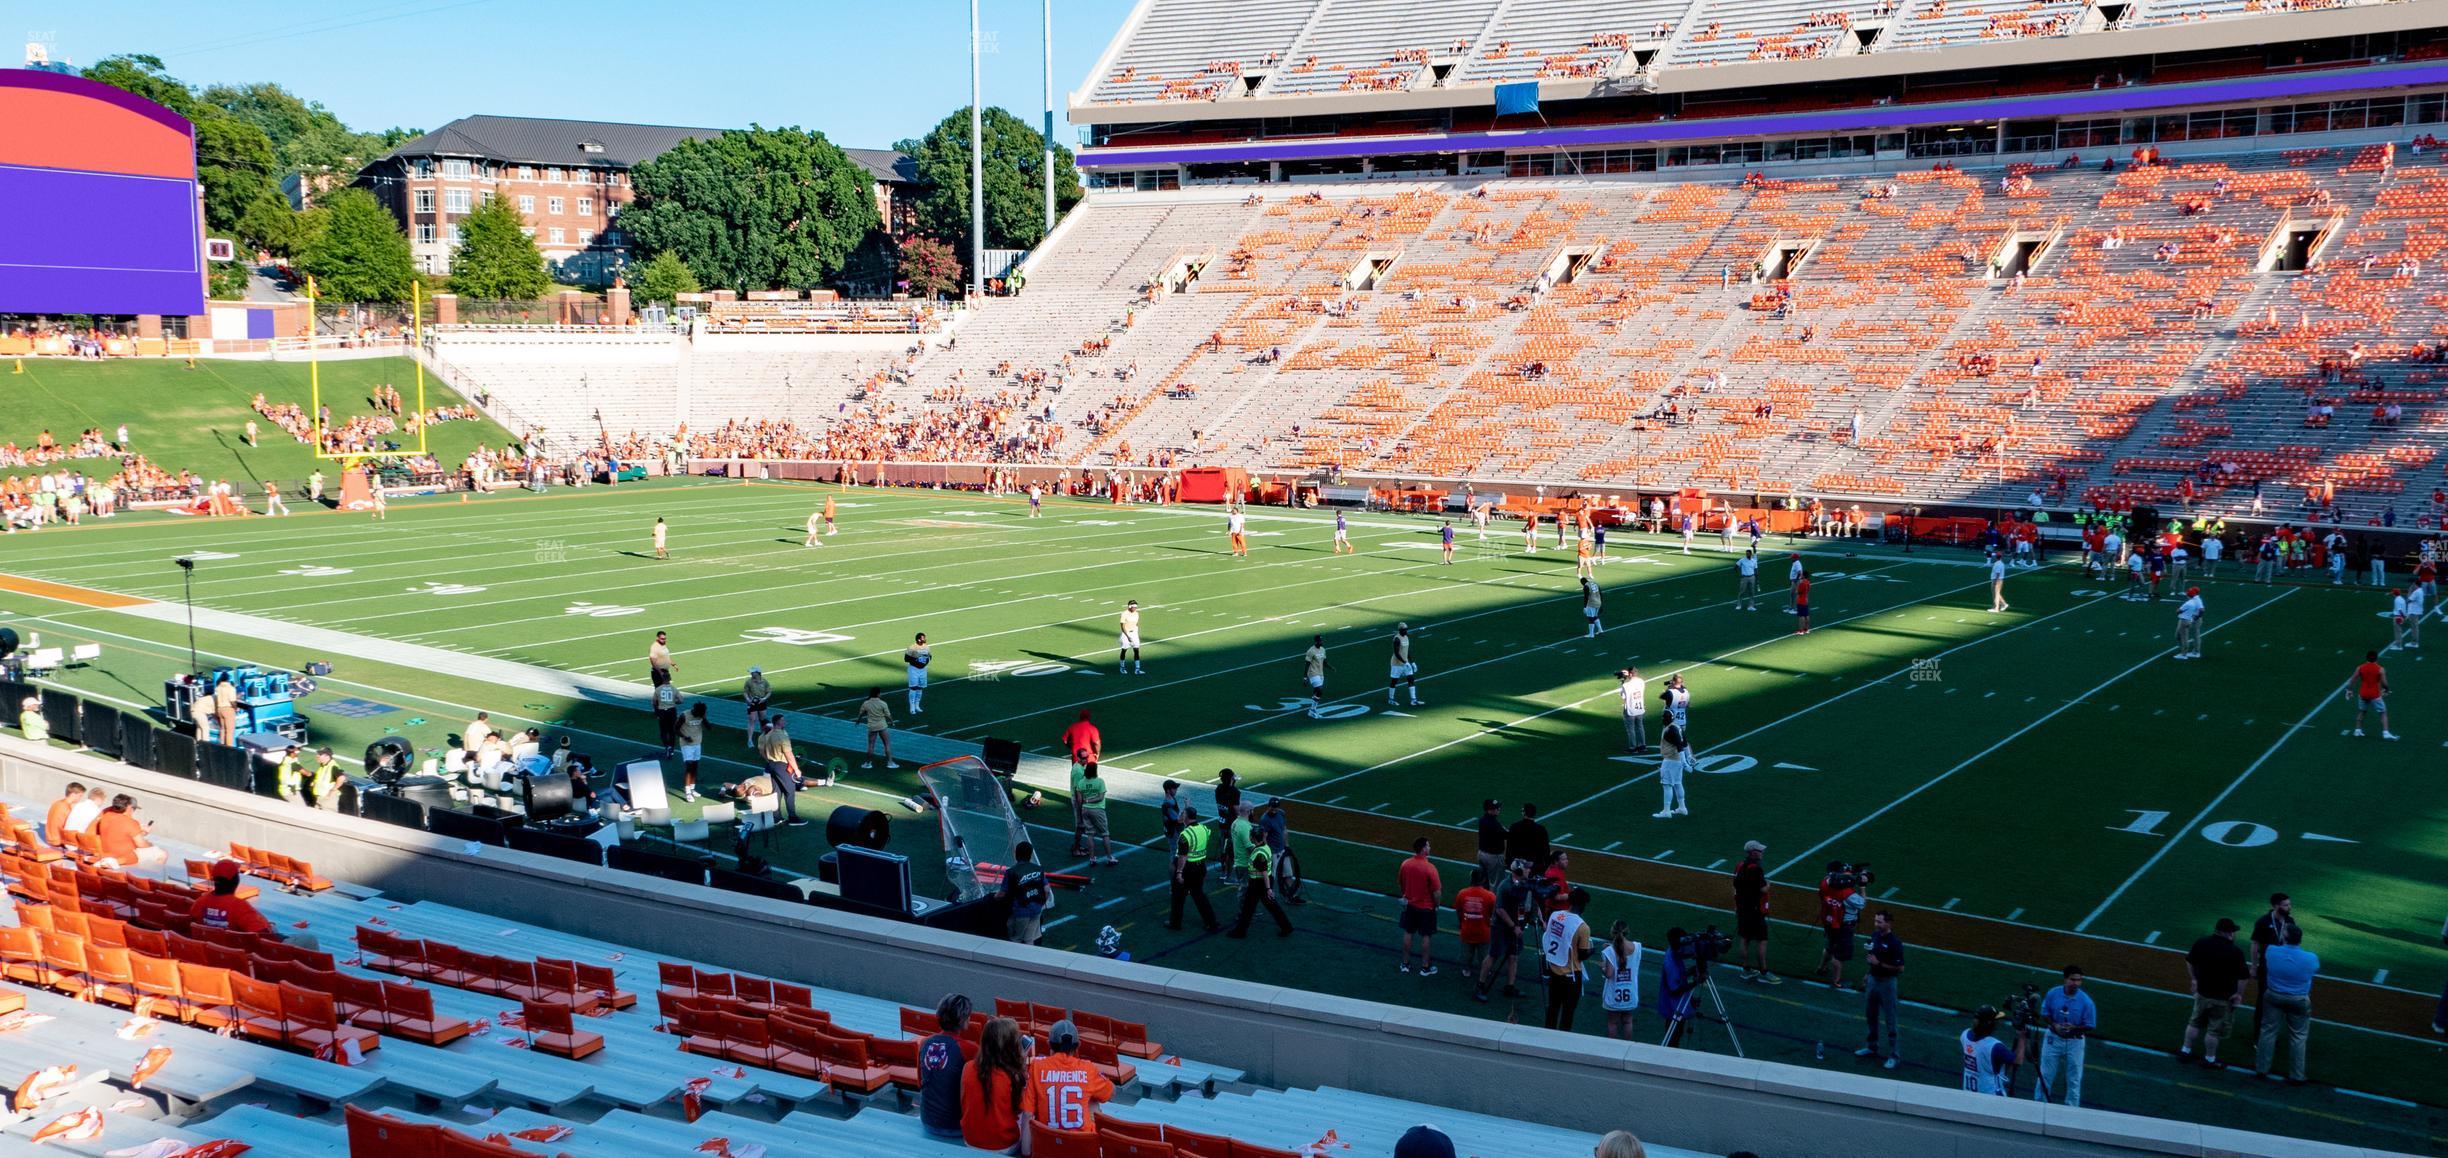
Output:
(1402, 668)
(916, 659)
(2189, 625)
(815, 530)
(2023, 550)
(1746, 581)
(1129, 642)
(1313, 673)
(1673, 761)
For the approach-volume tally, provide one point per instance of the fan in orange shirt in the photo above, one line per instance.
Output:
(1063, 1089)
(122, 836)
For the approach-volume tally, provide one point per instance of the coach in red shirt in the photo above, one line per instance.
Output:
(1082, 736)
(1422, 895)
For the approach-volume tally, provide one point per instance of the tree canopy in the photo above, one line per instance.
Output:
(496, 260)
(661, 278)
(929, 267)
(359, 254)
(305, 136)
(753, 209)
(1014, 179)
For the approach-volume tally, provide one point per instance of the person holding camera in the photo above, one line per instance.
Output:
(1879, 991)
(1515, 899)
(1986, 1060)
(1840, 906)
(1563, 949)
(1680, 972)
(2071, 1017)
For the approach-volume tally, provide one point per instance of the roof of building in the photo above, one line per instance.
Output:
(543, 140)
(547, 141)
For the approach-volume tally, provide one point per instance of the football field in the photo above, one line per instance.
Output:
(2036, 785)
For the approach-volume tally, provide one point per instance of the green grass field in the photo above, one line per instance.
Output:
(2036, 785)
(196, 419)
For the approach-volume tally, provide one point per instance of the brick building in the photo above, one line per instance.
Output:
(567, 178)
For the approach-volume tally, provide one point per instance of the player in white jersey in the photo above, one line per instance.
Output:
(1128, 662)
(2189, 625)
(1236, 530)
(815, 530)
(2397, 616)
(1793, 582)
(1479, 519)
(1674, 759)
(2416, 598)
(916, 660)
(1402, 669)
(1677, 699)
(1313, 673)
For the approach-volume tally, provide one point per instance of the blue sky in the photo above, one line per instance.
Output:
(864, 74)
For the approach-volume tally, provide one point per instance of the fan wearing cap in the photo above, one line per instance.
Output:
(1751, 914)
(30, 720)
(1424, 1142)
(223, 908)
(1063, 1089)
(2189, 625)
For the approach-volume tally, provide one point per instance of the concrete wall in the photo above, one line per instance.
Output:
(1281, 1036)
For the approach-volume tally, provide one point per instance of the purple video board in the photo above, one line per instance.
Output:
(107, 243)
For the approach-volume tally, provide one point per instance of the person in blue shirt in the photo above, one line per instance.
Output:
(2286, 997)
(2071, 1017)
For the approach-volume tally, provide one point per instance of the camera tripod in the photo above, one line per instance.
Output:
(1674, 1025)
(2027, 1050)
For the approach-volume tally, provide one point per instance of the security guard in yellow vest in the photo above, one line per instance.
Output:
(327, 780)
(289, 777)
(1190, 856)
(1259, 889)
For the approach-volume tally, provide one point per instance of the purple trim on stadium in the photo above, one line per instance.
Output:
(2241, 90)
(98, 243)
(94, 90)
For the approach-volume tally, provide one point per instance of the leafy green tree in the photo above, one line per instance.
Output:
(496, 260)
(753, 209)
(235, 161)
(662, 278)
(306, 137)
(1014, 179)
(225, 281)
(930, 267)
(359, 255)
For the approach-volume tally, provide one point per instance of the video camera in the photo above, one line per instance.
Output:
(1851, 876)
(2022, 1010)
(1705, 946)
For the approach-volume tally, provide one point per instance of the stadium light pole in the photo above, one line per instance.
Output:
(1049, 117)
(977, 162)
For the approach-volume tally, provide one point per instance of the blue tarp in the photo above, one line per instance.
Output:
(1518, 97)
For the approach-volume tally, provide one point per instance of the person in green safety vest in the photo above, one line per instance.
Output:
(1242, 840)
(1258, 888)
(1190, 857)
(289, 777)
(327, 780)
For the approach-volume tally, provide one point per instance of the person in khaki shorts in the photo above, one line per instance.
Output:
(877, 715)
(2217, 968)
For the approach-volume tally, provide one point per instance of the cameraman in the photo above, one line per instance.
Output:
(2071, 1016)
(1514, 902)
(1985, 1058)
(1680, 971)
(1840, 906)
(1563, 950)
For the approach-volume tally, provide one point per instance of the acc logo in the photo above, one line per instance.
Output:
(794, 636)
(600, 610)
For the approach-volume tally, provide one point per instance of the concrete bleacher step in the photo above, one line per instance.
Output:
(204, 1067)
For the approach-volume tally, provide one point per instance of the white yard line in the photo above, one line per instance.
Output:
(2017, 734)
(1847, 693)
(2178, 836)
(1610, 692)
